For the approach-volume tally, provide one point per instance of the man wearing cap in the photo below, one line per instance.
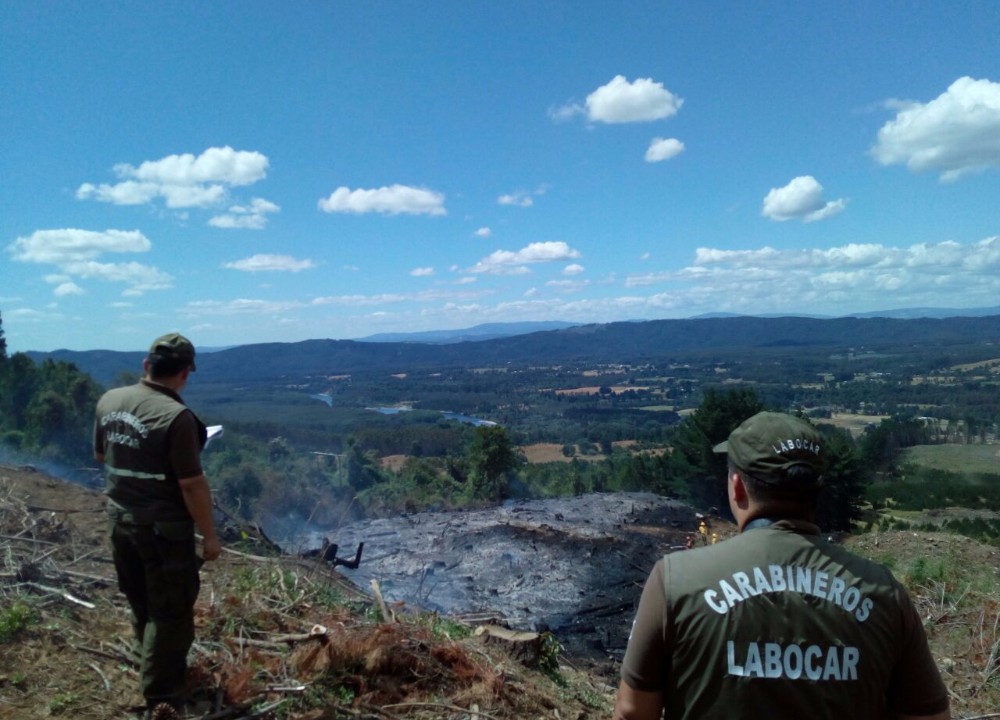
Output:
(776, 622)
(150, 443)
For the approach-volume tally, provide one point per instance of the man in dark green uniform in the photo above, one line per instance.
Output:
(776, 622)
(150, 443)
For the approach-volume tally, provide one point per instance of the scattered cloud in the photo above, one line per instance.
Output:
(566, 112)
(956, 134)
(240, 306)
(422, 272)
(181, 181)
(568, 286)
(848, 278)
(23, 314)
(68, 288)
(424, 296)
(483, 232)
(802, 198)
(251, 217)
(507, 262)
(661, 149)
(270, 263)
(621, 101)
(573, 269)
(74, 252)
(392, 200)
(520, 199)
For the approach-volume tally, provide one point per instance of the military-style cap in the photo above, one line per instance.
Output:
(767, 444)
(175, 347)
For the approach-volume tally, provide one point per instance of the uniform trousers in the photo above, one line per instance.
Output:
(158, 573)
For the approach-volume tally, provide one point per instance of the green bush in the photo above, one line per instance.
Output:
(15, 619)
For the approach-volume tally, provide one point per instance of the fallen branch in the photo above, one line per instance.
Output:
(60, 593)
(107, 683)
(386, 615)
(102, 653)
(446, 706)
(28, 540)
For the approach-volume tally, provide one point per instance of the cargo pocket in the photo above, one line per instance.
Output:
(173, 585)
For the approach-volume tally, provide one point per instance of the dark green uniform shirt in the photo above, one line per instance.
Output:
(149, 440)
(778, 622)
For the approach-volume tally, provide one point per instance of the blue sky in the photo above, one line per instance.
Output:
(250, 172)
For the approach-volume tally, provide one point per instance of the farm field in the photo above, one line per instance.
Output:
(853, 423)
(978, 458)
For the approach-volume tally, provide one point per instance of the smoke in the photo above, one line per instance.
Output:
(88, 477)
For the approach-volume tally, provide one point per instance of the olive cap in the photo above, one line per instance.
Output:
(767, 444)
(173, 346)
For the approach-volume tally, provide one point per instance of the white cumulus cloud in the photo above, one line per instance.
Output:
(802, 198)
(508, 262)
(422, 272)
(391, 200)
(224, 165)
(270, 263)
(71, 245)
(182, 181)
(955, 134)
(75, 254)
(661, 149)
(623, 102)
(483, 232)
(573, 269)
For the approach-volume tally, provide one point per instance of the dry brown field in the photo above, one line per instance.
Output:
(853, 423)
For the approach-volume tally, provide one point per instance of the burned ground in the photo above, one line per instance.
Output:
(574, 566)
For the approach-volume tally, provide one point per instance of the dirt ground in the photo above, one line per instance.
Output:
(290, 637)
(276, 638)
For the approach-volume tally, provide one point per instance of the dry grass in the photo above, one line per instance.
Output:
(853, 423)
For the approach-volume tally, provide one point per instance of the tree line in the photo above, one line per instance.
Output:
(46, 409)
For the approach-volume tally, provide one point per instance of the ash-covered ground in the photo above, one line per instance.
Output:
(575, 566)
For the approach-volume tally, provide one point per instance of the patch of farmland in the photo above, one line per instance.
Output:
(978, 458)
(853, 423)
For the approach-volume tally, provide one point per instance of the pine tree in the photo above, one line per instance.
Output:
(3, 341)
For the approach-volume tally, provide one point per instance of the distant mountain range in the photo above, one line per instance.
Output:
(487, 331)
(619, 342)
(899, 314)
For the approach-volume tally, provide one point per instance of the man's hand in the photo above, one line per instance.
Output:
(211, 548)
(636, 704)
(198, 499)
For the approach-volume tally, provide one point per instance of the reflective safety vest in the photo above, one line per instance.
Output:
(134, 423)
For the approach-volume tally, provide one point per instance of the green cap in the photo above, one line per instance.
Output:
(767, 444)
(175, 347)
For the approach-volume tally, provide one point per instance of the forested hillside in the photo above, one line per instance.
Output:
(622, 342)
